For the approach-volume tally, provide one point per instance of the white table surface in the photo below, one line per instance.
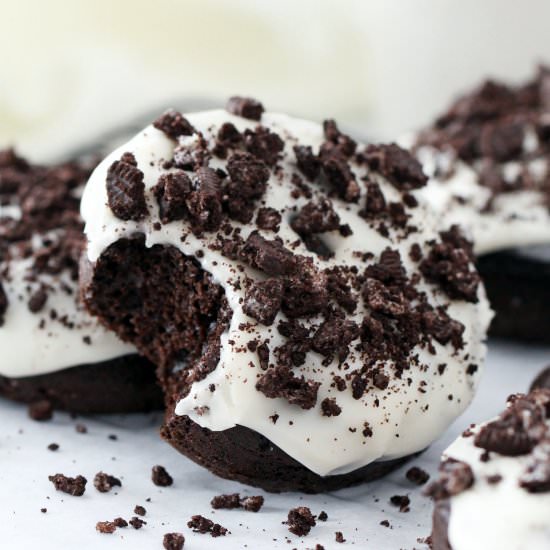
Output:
(25, 463)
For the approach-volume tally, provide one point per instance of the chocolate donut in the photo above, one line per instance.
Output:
(51, 348)
(305, 314)
(488, 158)
(494, 486)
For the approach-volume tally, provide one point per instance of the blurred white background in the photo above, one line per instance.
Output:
(71, 69)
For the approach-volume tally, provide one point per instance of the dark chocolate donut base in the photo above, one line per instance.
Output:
(243, 455)
(156, 298)
(122, 385)
(137, 292)
(440, 526)
(519, 291)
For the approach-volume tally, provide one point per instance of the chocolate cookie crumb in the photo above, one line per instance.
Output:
(171, 192)
(203, 525)
(245, 107)
(308, 163)
(174, 124)
(397, 165)
(401, 501)
(226, 502)
(323, 516)
(81, 429)
(385, 523)
(329, 407)
(137, 523)
(43, 510)
(417, 475)
(104, 482)
(106, 527)
(173, 541)
(232, 501)
(449, 264)
(253, 503)
(268, 219)
(53, 447)
(204, 201)
(139, 510)
(269, 256)
(41, 410)
(126, 189)
(37, 301)
(300, 521)
(120, 522)
(282, 382)
(339, 537)
(263, 300)
(74, 486)
(161, 477)
(511, 433)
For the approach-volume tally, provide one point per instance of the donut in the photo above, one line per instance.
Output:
(494, 485)
(488, 159)
(52, 349)
(305, 314)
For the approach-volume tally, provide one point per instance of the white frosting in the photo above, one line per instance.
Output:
(515, 219)
(325, 445)
(28, 349)
(500, 515)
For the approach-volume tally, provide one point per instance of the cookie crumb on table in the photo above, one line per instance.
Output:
(203, 525)
(104, 482)
(161, 477)
(173, 541)
(74, 486)
(300, 521)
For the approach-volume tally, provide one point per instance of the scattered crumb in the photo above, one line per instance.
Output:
(74, 486)
(203, 525)
(234, 500)
(53, 447)
(401, 501)
(339, 537)
(226, 502)
(323, 516)
(107, 527)
(300, 521)
(173, 541)
(253, 503)
(104, 482)
(139, 510)
(161, 477)
(417, 475)
(137, 523)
